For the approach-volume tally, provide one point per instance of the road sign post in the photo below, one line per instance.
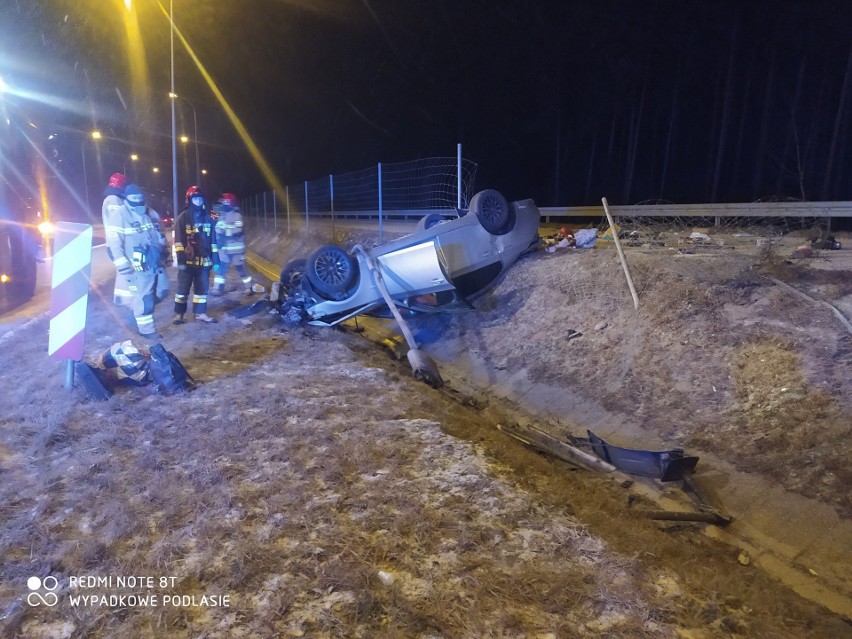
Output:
(72, 266)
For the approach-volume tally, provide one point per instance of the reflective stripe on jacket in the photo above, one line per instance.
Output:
(229, 232)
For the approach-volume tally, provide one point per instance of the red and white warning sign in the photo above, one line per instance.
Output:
(72, 266)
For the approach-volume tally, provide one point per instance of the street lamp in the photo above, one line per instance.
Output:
(133, 158)
(174, 96)
(174, 141)
(95, 135)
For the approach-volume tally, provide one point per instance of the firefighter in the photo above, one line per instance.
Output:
(232, 246)
(135, 246)
(114, 201)
(196, 253)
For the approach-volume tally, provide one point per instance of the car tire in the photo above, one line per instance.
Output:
(429, 220)
(292, 274)
(331, 271)
(493, 212)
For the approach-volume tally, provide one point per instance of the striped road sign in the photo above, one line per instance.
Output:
(72, 266)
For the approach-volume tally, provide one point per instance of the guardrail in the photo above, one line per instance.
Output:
(752, 209)
(551, 213)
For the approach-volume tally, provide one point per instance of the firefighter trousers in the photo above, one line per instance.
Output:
(197, 279)
(221, 276)
(137, 292)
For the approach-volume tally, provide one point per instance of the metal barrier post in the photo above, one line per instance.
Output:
(307, 220)
(287, 197)
(331, 196)
(380, 202)
(459, 174)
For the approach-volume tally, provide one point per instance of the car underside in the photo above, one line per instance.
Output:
(436, 269)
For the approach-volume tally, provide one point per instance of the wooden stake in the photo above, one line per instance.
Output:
(620, 253)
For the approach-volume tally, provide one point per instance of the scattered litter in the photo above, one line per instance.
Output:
(607, 234)
(600, 326)
(572, 334)
(563, 243)
(699, 238)
(802, 251)
(744, 559)
(585, 238)
(386, 578)
(566, 238)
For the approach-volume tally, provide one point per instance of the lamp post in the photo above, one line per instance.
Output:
(133, 158)
(174, 140)
(174, 96)
(95, 135)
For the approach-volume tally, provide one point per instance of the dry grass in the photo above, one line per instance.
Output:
(330, 495)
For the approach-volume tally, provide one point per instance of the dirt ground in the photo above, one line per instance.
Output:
(310, 487)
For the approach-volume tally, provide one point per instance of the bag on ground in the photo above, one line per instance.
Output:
(168, 373)
(125, 363)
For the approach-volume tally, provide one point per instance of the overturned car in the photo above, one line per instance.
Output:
(437, 268)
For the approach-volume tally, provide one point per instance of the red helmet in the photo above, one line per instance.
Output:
(193, 190)
(228, 198)
(117, 180)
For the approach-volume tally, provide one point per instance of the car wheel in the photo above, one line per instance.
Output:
(492, 211)
(331, 271)
(429, 220)
(291, 275)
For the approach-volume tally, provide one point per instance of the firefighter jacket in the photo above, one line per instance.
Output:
(195, 239)
(132, 239)
(113, 201)
(229, 233)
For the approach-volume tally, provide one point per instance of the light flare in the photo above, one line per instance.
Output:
(240, 128)
(141, 94)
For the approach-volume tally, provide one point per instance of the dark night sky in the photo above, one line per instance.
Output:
(565, 102)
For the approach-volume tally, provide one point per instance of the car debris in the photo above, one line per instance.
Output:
(667, 466)
(537, 438)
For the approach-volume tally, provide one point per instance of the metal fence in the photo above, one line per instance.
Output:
(386, 191)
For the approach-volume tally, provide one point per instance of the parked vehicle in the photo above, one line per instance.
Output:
(438, 268)
(19, 254)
